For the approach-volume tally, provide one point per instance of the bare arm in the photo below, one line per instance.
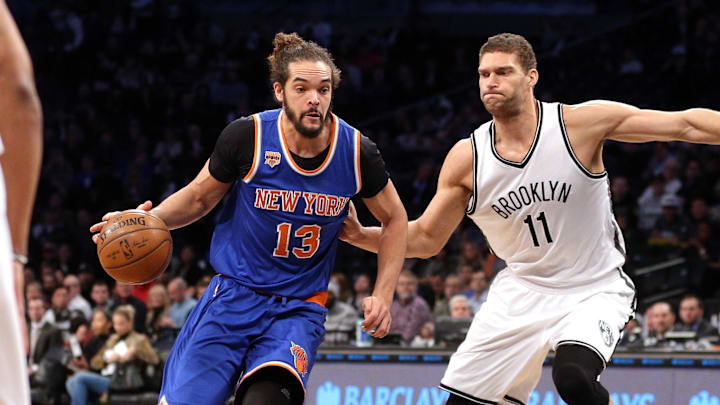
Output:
(20, 128)
(622, 122)
(185, 206)
(429, 233)
(388, 209)
(21, 131)
(193, 201)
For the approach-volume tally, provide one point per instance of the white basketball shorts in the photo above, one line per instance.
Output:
(14, 389)
(501, 359)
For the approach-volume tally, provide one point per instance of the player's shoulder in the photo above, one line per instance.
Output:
(594, 110)
(460, 158)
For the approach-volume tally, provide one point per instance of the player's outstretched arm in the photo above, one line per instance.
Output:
(183, 207)
(429, 233)
(622, 122)
(392, 242)
(21, 131)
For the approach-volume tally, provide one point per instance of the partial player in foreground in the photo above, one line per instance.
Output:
(21, 148)
(290, 173)
(534, 182)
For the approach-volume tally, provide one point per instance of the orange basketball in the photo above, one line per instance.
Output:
(134, 247)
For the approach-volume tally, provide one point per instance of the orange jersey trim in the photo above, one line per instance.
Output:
(256, 153)
(331, 151)
(319, 298)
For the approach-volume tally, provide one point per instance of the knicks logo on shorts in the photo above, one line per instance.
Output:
(272, 159)
(606, 333)
(301, 361)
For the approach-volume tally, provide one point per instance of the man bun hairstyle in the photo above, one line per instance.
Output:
(511, 43)
(290, 48)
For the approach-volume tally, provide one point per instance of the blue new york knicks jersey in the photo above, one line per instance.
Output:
(278, 230)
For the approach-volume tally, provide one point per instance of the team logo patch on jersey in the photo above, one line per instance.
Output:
(301, 361)
(606, 333)
(272, 159)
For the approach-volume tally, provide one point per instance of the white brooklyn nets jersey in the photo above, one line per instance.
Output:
(548, 217)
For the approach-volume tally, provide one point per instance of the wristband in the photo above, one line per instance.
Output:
(22, 259)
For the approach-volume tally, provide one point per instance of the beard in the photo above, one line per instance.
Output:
(300, 127)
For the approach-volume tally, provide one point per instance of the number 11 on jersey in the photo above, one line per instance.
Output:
(541, 218)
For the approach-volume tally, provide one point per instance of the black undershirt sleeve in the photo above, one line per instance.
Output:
(233, 154)
(234, 150)
(372, 169)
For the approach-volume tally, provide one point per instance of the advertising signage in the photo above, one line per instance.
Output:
(347, 383)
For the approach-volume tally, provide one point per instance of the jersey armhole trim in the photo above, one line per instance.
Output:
(258, 148)
(574, 157)
(472, 204)
(358, 172)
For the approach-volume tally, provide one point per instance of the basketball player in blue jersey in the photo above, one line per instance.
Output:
(290, 173)
(534, 182)
(21, 149)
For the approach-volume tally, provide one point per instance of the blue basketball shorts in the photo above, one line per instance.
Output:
(232, 333)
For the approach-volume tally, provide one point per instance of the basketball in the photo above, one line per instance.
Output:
(134, 247)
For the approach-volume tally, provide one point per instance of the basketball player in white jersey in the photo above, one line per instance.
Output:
(533, 180)
(21, 135)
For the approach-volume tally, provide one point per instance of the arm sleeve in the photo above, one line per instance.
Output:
(234, 151)
(372, 169)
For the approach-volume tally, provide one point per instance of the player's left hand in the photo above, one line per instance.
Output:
(377, 317)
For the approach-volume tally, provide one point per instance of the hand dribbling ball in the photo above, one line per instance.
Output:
(134, 247)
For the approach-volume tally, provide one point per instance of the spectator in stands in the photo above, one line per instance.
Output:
(700, 212)
(201, 285)
(691, 318)
(362, 288)
(663, 321)
(632, 334)
(409, 312)
(158, 319)
(100, 296)
(342, 282)
(620, 194)
(100, 328)
(453, 287)
(670, 176)
(341, 318)
(43, 335)
(465, 272)
(671, 230)
(124, 296)
(33, 290)
(76, 302)
(59, 315)
(478, 291)
(695, 185)
(125, 345)
(649, 207)
(181, 303)
(426, 338)
(460, 307)
(470, 255)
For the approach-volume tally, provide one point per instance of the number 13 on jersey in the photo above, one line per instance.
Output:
(310, 235)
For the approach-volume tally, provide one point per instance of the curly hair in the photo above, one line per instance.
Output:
(290, 48)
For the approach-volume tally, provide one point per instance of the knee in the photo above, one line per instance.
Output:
(575, 378)
(71, 384)
(572, 383)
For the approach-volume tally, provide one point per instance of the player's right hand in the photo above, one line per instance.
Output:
(351, 228)
(95, 229)
(377, 316)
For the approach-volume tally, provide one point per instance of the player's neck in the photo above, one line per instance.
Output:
(518, 128)
(304, 146)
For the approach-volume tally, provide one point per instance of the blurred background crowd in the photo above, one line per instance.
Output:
(135, 93)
